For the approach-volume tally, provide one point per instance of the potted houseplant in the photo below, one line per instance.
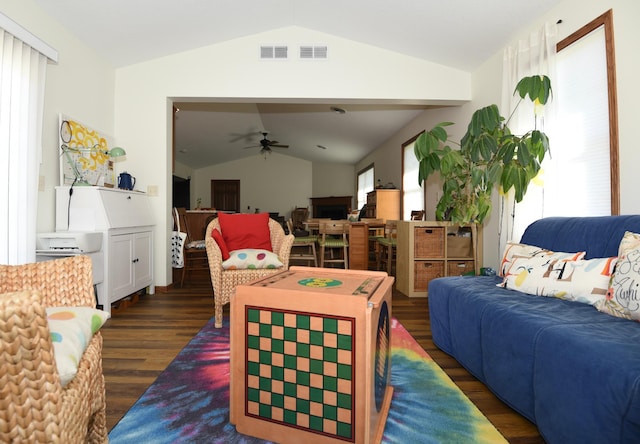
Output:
(489, 155)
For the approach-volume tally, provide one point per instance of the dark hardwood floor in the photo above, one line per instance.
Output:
(142, 339)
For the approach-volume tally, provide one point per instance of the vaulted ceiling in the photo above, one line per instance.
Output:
(456, 33)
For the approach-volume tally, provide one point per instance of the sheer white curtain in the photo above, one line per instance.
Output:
(536, 55)
(22, 81)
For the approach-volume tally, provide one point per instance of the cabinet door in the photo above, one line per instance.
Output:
(142, 260)
(121, 277)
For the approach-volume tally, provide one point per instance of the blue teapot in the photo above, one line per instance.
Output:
(126, 181)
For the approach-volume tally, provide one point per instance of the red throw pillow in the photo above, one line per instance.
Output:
(215, 234)
(242, 231)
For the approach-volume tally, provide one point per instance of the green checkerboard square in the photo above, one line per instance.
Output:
(277, 346)
(253, 342)
(290, 362)
(303, 350)
(290, 417)
(330, 383)
(316, 423)
(316, 366)
(303, 406)
(253, 395)
(316, 395)
(330, 325)
(265, 330)
(344, 371)
(264, 411)
(277, 400)
(344, 430)
(344, 342)
(290, 334)
(265, 384)
(330, 412)
(316, 338)
(253, 315)
(253, 368)
(277, 373)
(277, 318)
(265, 357)
(302, 378)
(330, 354)
(290, 389)
(303, 321)
(344, 401)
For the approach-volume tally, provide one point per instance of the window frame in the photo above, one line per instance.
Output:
(364, 170)
(606, 21)
(424, 188)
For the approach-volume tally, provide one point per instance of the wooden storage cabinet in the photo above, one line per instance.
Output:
(130, 258)
(427, 250)
(383, 204)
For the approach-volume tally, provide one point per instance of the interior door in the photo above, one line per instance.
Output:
(225, 195)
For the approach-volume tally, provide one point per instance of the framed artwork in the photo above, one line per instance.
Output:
(83, 155)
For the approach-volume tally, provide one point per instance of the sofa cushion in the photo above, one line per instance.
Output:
(71, 330)
(241, 231)
(583, 281)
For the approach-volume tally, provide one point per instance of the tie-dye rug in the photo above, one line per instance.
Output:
(189, 401)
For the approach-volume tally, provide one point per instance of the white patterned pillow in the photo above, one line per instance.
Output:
(71, 330)
(583, 281)
(630, 241)
(623, 297)
(515, 250)
(251, 258)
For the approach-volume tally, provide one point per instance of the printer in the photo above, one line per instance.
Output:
(66, 243)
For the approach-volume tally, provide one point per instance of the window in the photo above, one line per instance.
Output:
(365, 185)
(412, 191)
(584, 139)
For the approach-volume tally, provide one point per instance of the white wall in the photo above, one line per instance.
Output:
(278, 183)
(334, 180)
(80, 85)
(233, 71)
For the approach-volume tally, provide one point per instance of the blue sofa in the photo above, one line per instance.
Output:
(571, 370)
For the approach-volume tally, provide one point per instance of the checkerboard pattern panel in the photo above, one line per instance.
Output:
(301, 371)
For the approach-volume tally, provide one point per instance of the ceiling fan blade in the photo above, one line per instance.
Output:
(278, 145)
(252, 146)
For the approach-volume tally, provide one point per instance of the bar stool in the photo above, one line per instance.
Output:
(304, 247)
(333, 237)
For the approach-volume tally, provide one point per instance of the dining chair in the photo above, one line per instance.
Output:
(387, 246)
(194, 253)
(333, 239)
(304, 247)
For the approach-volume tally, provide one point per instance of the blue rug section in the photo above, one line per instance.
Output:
(189, 401)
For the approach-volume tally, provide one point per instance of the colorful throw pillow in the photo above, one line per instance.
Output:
(514, 250)
(251, 258)
(217, 236)
(241, 231)
(71, 330)
(630, 241)
(583, 281)
(623, 297)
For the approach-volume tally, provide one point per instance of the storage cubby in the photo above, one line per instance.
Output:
(428, 249)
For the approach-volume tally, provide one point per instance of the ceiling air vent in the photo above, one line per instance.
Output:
(274, 52)
(313, 52)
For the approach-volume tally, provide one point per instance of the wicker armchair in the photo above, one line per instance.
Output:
(33, 405)
(224, 282)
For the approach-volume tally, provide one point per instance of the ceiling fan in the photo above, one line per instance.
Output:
(266, 144)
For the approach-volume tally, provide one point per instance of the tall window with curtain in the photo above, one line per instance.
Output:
(23, 62)
(580, 177)
(412, 191)
(365, 185)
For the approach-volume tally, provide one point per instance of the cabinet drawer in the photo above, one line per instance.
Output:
(424, 271)
(428, 242)
(459, 268)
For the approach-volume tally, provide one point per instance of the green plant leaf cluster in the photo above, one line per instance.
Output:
(488, 155)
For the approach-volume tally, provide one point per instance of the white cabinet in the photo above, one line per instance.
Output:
(131, 263)
(126, 222)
